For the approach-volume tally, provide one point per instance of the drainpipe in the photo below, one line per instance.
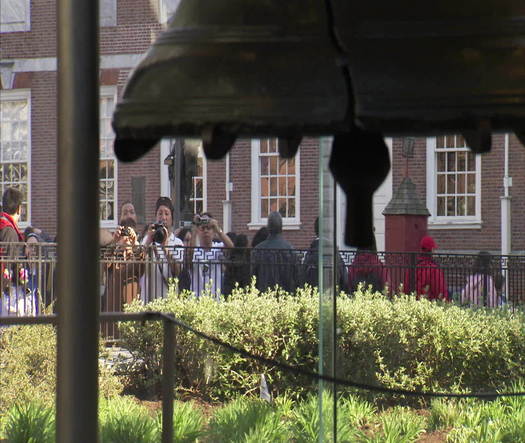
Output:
(506, 227)
(227, 204)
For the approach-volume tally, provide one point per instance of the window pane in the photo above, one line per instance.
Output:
(441, 184)
(471, 205)
(440, 142)
(471, 183)
(291, 185)
(272, 145)
(451, 206)
(264, 166)
(273, 165)
(265, 187)
(471, 161)
(264, 207)
(273, 186)
(282, 207)
(107, 165)
(273, 205)
(461, 181)
(441, 161)
(282, 186)
(451, 161)
(264, 145)
(199, 168)
(291, 207)
(462, 209)
(451, 184)
(460, 142)
(282, 167)
(291, 166)
(462, 161)
(198, 188)
(103, 170)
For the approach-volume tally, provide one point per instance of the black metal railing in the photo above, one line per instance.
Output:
(168, 352)
(145, 273)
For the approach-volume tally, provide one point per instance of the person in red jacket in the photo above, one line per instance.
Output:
(368, 269)
(429, 279)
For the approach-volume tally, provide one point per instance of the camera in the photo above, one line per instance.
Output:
(201, 220)
(160, 233)
(125, 231)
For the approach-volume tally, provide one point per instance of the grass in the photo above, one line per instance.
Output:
(250, 420)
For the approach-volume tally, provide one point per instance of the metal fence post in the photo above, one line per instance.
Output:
(168, 369)
(78, 233)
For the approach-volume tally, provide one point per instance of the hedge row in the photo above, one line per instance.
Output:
(399, 343)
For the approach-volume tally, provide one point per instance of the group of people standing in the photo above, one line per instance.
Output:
(207, 260)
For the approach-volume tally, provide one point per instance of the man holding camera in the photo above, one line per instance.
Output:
(123, 270)
(208, 257)
(165, 256)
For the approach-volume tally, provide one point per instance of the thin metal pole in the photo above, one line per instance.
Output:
(335, 280)
(78, 242)
(168, 369)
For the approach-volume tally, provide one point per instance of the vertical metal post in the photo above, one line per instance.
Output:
(78, 242)
(168, 369)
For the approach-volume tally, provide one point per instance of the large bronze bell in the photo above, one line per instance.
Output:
(353, 69)
(432, 67)
(235, 67)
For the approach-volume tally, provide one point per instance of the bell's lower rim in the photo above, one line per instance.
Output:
(240, 34)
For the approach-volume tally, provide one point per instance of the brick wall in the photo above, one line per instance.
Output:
(240, 173)
(488, 237)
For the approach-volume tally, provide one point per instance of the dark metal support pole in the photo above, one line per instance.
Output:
(168, 369)
(78, 242)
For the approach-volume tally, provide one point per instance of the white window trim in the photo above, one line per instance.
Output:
(163, 12)
(204, 181)
(23, 94)
(108, 91)
(165, 149)
(257, 222)
(18, 27)
(442, 222)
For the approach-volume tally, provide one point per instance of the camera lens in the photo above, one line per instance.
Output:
(160, 234)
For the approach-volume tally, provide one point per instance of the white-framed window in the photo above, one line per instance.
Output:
(107, 12)
(166, 9)
(453, 183)
(108, 163)
(15, 15)
(275, 185)
(195, 155)
(15, 146)
(197, 187)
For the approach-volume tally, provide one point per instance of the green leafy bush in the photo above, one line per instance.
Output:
(398, 343)
(417, 344)
(30, 422)
(123, 420)
(27, 367)
(247, 420)
(276, 327)
(188, 422)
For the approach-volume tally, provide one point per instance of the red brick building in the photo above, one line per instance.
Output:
(463, 193)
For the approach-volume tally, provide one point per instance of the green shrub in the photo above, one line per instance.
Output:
(276, 327)
(306, 424)
(30, 422)
(122, 420)
(400, 425)
(247, 420)
(188, 422)
(27, 367)
(398, 343)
